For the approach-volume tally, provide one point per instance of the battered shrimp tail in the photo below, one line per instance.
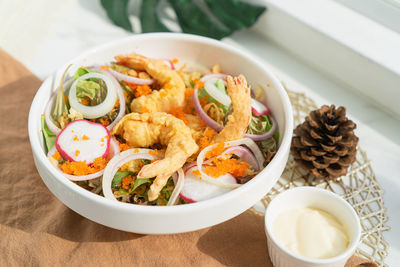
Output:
(238, 122)
(172, 93)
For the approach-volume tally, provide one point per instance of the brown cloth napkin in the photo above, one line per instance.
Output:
(37, 229)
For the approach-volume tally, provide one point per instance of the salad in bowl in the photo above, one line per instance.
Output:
(147, 131)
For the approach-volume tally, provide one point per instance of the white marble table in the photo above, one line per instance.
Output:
(45, 34)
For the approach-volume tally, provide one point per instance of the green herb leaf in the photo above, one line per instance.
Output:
(139, 182)
(149, 19)
(86, 89)
(235, 14)
(80, 72)
(221, 86)
(48, 136)
(117, 12)
(60, 109)
(118, 177)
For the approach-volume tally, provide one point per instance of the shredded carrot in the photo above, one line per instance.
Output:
(77, 152)
(126, 182)
(56, 156)
(81, 168)
(76, 138)
(84, 137)
(123, 147)
(233, 166)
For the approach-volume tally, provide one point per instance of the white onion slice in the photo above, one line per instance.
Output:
(114, 150)
(93, 112)
(121, 97)
(214, 92)
(221, 76)
(128, 78)
(179, 180)
(244, 154)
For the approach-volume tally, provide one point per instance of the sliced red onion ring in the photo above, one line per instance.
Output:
(244, 154)
(128, 78)
(114, 150)
(179, 180)
(244, 141)
(259, 108)
(265, 135)
(213, 75)
(169, 64)
(203, 115)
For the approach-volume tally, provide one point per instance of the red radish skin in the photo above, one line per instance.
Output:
(64, 154)
(186, 198)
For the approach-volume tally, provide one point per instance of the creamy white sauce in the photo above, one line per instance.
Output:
(310, 233)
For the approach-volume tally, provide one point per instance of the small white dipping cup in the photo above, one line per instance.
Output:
(302, 197)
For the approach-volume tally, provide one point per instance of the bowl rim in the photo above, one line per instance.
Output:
(328, 194)
(280, 155)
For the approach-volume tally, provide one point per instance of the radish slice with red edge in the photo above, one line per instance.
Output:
(82, 140)
(244, 141)
(196, 189)
(259, 108)
(131, 154)
(114, 150)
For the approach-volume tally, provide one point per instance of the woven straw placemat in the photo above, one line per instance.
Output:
(359, 187)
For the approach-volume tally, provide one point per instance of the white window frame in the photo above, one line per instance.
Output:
(354, 49)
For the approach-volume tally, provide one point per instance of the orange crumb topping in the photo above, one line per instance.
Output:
(198, 84)
(126, 182)
(154, 152)
(233, 166)
(196, 172)
(77, 152)
(105, 67)
(84, 137)
(136, 150)
(123, 147)
(116, 103)
(179, 113)
(168, 86)
(138, 90)
(56, 156)
(205, 140)
(154, 160)
(105, 121)
(175, 60)
(85, 101)
(76, 138)
(216, 151)
(79, 168)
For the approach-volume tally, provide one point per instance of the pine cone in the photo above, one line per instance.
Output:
(325, 144)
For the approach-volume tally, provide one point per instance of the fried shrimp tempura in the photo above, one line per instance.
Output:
(237, 124)
(144, 130)
(172, 93)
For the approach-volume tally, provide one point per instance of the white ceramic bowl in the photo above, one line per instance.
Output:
(174, 219)
(302, 197)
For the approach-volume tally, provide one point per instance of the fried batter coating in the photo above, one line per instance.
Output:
(144, 130)
(173, 88)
